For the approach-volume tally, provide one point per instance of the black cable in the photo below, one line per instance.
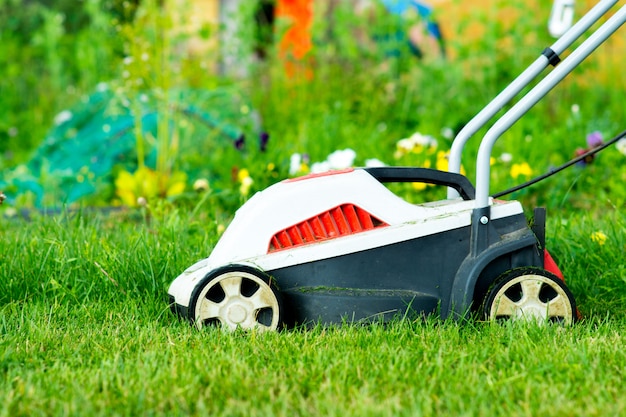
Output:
(562, 167)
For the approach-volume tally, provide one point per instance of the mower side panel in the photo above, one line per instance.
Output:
(413, 277)
(379, 282)
(334, 306)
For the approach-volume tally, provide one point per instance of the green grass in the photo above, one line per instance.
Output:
(117, 360)
(84, 323)
(85, 330)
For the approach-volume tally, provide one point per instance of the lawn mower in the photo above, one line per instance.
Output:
(341, 247)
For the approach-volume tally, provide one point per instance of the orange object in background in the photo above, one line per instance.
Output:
(296, 42)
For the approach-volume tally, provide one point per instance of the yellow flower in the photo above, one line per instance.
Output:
(442, 161)
(418, 186)
(242, 174)
(521, 169)
(146, 183)
(599, 238)
(246, 181)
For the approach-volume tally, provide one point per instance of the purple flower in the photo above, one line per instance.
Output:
(264, 137)
(594, 139)
(239, 143)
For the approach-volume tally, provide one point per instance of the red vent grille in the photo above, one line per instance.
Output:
(344, 220)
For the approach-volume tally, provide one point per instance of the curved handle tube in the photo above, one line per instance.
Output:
(533, 96)
(478, 121)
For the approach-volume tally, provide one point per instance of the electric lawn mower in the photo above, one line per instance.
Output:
(340, 246)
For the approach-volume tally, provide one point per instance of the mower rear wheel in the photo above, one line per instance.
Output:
(530, 294)
(237, 299)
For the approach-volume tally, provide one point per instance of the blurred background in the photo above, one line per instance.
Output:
(118, 103)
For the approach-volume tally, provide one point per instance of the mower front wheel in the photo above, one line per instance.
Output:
(235, 299)
(530, 294)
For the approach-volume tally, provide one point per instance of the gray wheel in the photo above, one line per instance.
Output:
(531, 295)
(237, 299)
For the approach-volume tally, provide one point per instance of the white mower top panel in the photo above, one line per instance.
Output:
(246, 241)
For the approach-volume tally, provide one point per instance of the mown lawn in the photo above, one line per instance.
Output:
(85, 330)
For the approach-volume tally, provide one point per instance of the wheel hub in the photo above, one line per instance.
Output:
(531, 312)
(236, 313)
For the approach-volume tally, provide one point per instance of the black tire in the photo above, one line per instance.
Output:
(530, 294)
(236, 297)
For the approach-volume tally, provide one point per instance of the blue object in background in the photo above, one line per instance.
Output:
(425, 12)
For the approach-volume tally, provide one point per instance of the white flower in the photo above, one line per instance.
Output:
(294, 163)
(319, 167)
(423, 140)
(575, 108)
(447, 133)
(62, 117)
(127, 60)
(246, 183)
(341, 159)
(405, 144)
(201, 184)
(373, 163)
(506, 157)
(102, 86)
(621, 146)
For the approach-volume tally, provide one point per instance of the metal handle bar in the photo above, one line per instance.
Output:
(533, 96)
(478, 121)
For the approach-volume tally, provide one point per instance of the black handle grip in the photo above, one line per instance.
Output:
(430, 176)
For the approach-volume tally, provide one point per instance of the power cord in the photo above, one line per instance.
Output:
(579, 158)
